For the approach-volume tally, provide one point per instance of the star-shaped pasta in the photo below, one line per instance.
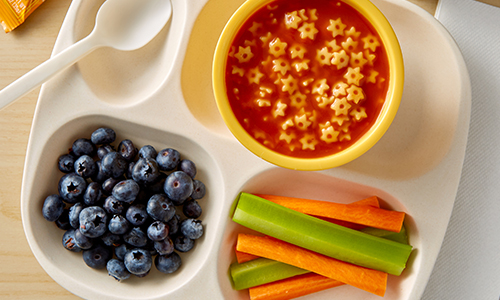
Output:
(244, 54)
(340, 119)
(358, 113)
(345, 137)
(298, 100)
(254, 75)
(324, 56)
(287, 123)
(263, 102)
(301, 65)
(237, 70)
(292, 20)
(332, 46)
(370, 42)
(287, 137)
(336, 27)
(264, 91)
(281, 65)
(340, 59)
(308, 31)
(340, 89)
(250, 43)
(353, 76)
(312, 14)
(341, 106)
(289, 84)
(328, 133)
(345, 127)
(352, 32)
(255, 28)
(301, 122)
(349, 44)
(324, 101)
(308, 141)
(279, 109)
(355, 94)
(302, 14)
(372, 77)
(265, 38)
(297, 50)
(370, 57)
(259, 134)
(277, 47)
(320, 86)
(357, 60)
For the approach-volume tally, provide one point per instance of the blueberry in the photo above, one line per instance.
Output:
(136, 214)
(118, 224)
(127, 150)
(74, 214)
(99, 175)
(188, 167)
(103, 150)
(126, 191)
(66, 163)
(117, 270)
(192, 228)
(191, 209)
(113, 206)
(82, 241)
(198, 189)
(168, 264)
(130, 169)
(136, 237)
(109, 184)
(53, 207)
(93, 221)
(63, 221)
(138, 261)
(183, 244)
(160, 208)
(145, 171)
(68, 241)
(121, 250)
(156, 187)
(164, 247)
(173, 224)
(103, 136)
(178, 187)
(92, 194)
(83, 147)
(111, 240)
(85, 166)
(114, 165)
(157, 231)
(71, 187)
(168, 159)
(97, 257)
(148, 151)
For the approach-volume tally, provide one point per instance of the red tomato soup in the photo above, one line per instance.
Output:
(307, 78)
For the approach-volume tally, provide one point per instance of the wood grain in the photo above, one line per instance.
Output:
(21, 50)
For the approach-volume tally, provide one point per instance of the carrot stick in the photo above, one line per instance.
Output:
(359, 214)
(293, 287)
(242, 257)
(366, 279)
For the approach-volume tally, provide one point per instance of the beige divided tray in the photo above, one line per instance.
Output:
(161, 95)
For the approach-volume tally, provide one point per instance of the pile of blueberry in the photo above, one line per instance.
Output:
(126, 208)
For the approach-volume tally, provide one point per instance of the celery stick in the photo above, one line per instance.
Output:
(321, 236)
(400, 237)
(260, 271)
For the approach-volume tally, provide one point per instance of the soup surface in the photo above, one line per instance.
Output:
(307, 78)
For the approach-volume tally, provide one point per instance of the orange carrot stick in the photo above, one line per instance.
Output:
(293, 287)
(366, 279)
(242, 257)
(359, 214)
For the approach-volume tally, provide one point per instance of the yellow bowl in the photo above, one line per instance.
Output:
(364, 143)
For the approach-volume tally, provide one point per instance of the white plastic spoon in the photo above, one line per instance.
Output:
(121, 24)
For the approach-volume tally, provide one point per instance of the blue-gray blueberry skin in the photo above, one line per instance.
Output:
(66, 163)
(160, 208)
(136, 214)
(99, 176)
(53, 207)
(192, 228)
(127, 150)
(97, 257)
(192, 209)
(188, 167)
(114, 165)
(183, 243)
(71, 187)
(68, 241)
(126, 191)
(136, 237)
(168, 159)
(118, 224)
(109, 184)
(145, 171)
(85, 166)
(103, 150)
(173, 224)
(168, 264)
(93, 194)
(103, 135)
(113, 206)
(148, 151)
(111, 240)
(178, 187)
(83, 242)
(157, 231)
(164, 247)
(74, 215)
(117, 269)
(93, 221)
(138, 261)
(199, 190)
(121, 250)
(83, 146)
(63, 221)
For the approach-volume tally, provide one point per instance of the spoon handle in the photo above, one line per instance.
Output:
(46, 70)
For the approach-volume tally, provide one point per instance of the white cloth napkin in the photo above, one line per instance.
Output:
(468, 266)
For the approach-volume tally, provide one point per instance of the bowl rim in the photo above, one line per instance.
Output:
(363, 144)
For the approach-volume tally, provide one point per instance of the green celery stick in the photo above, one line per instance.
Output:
(400, 237)
(321, 236)
(260, 271)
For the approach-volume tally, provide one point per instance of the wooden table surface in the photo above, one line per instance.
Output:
(21, 50)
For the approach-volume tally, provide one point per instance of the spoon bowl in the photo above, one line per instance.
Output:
(120, 24)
